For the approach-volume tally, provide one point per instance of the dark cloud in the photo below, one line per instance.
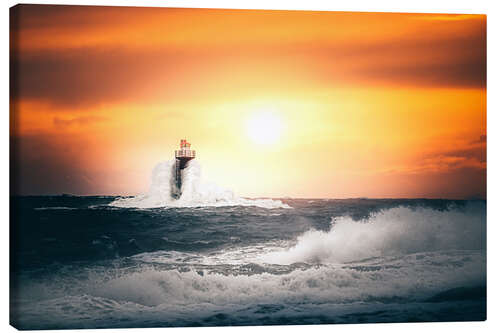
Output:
(467, 74)
(89, 76)
(472, 155)
(38, 166)
(452, 174)
(460, 183)
(71, 16)
(85, 76)
(482, 139)
(445, 61)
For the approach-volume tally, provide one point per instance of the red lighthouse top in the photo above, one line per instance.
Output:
(185, 144)
(185, 151)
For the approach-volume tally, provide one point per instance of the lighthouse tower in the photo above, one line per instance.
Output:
(182, 157)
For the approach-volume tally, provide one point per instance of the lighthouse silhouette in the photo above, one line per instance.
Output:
(182, 157)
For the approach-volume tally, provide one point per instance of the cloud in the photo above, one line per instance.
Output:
(445, 173)
(87, 77)
(423, 61)
(464, 73)
(104, 54)
(80, 121)
(460, 183)
(482, 139)
(39, 166)
(471, 156)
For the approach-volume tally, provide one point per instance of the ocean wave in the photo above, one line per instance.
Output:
(320, 285)
(194, 193)
(180, 293)
(393, 231)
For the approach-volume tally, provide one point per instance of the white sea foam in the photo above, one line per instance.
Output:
(196, 294)
(194, 192)
(334, 284)
(394, 231)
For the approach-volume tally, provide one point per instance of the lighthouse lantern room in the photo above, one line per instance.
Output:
(182, 157)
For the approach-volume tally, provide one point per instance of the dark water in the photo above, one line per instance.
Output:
(78, 263)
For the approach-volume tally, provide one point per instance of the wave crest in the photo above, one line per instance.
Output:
(395, 231)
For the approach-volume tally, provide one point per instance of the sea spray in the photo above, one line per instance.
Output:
(395, 231)
(193, 193)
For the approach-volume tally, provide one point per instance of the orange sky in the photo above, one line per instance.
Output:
(371, 104)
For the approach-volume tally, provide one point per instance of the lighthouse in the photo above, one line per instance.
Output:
(182, 157)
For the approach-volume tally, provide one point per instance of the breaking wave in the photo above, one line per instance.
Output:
(194, 193)
(322, 284)
(395, 231)
(174, 296)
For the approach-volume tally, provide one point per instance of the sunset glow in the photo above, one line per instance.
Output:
(276, 103)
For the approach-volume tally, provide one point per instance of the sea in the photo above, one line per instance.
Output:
(211, 258)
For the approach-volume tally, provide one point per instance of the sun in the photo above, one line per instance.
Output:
(264, 127)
